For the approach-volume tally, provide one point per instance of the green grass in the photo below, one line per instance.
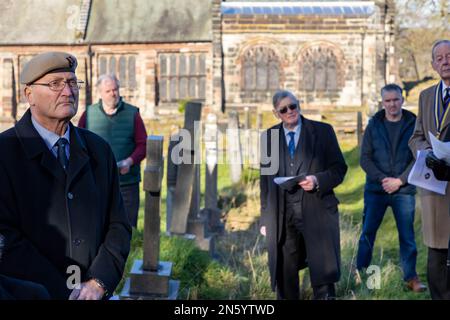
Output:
(240, 270)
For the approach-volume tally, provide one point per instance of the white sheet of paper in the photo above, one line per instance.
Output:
(280, 180)
(423, 177)
(440, 149)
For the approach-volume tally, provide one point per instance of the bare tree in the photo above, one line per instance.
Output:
(420, 23)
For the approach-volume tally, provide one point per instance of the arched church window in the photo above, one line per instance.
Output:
(319, 70)
(260, 70)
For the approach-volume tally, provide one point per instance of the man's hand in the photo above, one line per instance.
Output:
(262, 230)
(309, 183)
(391, 185)
(89, 290)
(438, 166)
(124, 165)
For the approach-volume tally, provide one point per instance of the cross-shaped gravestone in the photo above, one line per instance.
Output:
(150, 278)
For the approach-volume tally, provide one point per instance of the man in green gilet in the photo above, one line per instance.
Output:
(120, 124)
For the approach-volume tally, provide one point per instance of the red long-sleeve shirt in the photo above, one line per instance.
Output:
(140, 137)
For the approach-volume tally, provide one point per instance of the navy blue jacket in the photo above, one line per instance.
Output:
(377, 158)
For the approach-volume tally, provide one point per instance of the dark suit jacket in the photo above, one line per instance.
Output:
(51, 221)
(322, 157)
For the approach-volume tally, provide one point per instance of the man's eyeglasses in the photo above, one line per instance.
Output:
(283, 110)
(58, 85)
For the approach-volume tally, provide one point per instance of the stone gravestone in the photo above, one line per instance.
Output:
(198, 220)
(172, 169)
(234, 151)
(186, 170)
(211, 153)
(150, 278)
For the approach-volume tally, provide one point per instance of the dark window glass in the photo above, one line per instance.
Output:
(202, 64)
(192, 65)
(183, 88)
(163, 65)
(102, 65)
(173, 89)
(192, 86)
(112, 65)
(202, 88)
(173, 65)
(132, 84)
(122, 70)
(183, 69)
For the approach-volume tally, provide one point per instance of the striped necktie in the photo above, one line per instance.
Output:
(446, 98)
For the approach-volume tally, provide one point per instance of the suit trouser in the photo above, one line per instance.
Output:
(437, 274)
(292, 253)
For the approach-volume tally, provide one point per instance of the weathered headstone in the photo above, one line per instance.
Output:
(211, 153)
(150, 278)
(198, 219)
(234, 147)
(186, 170)
(172, 169)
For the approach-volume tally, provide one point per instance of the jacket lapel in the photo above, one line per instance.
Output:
(307, 143)
(78, 155)
(34, 146)
(441, 103)
(281, 150)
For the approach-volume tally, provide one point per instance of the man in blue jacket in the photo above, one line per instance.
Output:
(387, 161)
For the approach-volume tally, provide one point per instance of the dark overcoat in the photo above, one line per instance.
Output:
(52, 221)
(322, 157)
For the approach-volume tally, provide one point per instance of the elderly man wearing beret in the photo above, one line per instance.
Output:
(61, 211)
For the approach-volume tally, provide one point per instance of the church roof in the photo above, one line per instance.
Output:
(37, 22)
(325, 8)
(115, 21)
(110, 21)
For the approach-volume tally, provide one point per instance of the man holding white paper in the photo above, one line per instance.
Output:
(434, 117)
(301, 220)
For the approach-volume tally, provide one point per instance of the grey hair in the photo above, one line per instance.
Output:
(391, 87)
(280, 95)
(439, 42)
(107, 76)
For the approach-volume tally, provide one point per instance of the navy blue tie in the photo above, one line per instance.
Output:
(61, 153)
(291, 144)
(446, 98)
